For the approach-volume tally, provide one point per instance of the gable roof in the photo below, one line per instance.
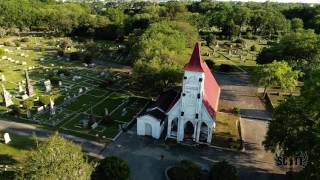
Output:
(158, 108)
(211, 92)
(164, 100)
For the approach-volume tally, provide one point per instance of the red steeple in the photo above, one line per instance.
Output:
(195, 63)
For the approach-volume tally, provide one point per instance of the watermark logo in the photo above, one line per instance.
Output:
(292, 163)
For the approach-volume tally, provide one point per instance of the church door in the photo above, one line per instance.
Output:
(148, 129)
(188, 130)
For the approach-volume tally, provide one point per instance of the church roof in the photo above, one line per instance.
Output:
(211, 93)
(164, 100)
(158, 108)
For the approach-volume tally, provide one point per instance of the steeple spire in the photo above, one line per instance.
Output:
(195, 62)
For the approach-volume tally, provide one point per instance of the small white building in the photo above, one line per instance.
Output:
(153, 121)
(189, 115)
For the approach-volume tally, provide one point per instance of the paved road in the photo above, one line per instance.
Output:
(91, 147)
(237, 91)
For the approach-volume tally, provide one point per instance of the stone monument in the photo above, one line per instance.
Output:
(7, 138)
(6, 96)
(29, 88)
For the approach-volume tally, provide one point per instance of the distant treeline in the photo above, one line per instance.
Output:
(116, 20)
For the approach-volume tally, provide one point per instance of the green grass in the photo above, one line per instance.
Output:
(226, 133)
(16, 150)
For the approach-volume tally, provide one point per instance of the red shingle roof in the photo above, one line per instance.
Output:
(211, 93)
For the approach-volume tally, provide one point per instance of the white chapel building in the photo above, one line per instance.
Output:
(190, 114)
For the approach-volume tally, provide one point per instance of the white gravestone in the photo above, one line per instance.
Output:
(106, 112)
(6, 138)
(94, 125)
(47, 85)
(52, 108)
(20, 88)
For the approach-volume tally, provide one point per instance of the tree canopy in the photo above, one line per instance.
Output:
(55, 158)
(277, 73)
(295, 127)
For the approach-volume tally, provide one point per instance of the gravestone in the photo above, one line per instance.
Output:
(106, 112)
(6, 138)
(6, 96)
(20, 87)
(94, 125)
(29, 88)
(80, 91)
(41, 108)
(2, 77)
(47, 85)
(124, 112)
(60, 83)
(52, 108)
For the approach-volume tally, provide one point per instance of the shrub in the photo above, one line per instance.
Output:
(236, 110)
(253, 48)
(75, 56)
(17, 44)
(186, 170)
(225, 68)
(60, 52)
(7, 43)
(239, 40)
(66, 72)
(111, 168)
(15, 109)
(25, 39)
(45, 100)
(55, 80)
(223, 171)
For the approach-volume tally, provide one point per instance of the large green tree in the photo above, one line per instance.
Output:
(278, 73)
(295, 127)
(55, 158)
(299, 48)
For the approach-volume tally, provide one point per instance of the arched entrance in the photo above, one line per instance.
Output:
(203, 137)
(148, 129)
(174, 127)
(188, 131)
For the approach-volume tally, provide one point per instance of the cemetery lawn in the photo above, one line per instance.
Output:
(226, 133)
(221, 54)
(75, 100)
(16, 150)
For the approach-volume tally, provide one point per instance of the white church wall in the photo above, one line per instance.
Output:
(144, 121)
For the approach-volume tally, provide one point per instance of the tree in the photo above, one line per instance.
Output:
(55, 158)
(300, 49)
(112, 168)
(295, 127)
(45, 100)
(296, 24)
(222, 170)
(278, 73)
(157, 75)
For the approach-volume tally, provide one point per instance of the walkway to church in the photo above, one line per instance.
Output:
(144, 154)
